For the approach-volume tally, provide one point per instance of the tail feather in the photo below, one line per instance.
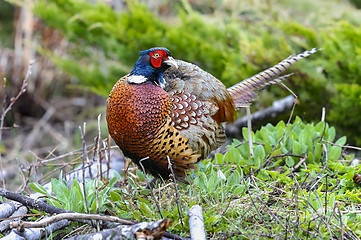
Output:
(244, 93)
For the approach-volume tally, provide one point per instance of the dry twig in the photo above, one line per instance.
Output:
(69, 216)
(179, 206)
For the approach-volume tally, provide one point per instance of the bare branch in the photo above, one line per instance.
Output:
(69, 216)
(14, 99)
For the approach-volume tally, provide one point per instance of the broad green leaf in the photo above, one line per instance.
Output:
(245, 134)
(290, 162)
(331, 134)
(112, 181)
(38, 188)
(75, 201)
(145, 192)
(297, 148)
(231, 156)
(115, 197)
(318, 151)
(263, 174)
(320, 127)
(274, 174)
(234, 179)
(144, 200)
(297, 120)
(281, 125)
(312, 159)
(141, 175)
(239, 190)
(77, 186)
(218, 158)
(334, 153)
(244, 151)
(212, 183)
(60, 190)
(259, 155)
(203, 180)
(341, 141)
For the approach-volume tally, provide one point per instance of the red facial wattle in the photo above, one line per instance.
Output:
(157, 57)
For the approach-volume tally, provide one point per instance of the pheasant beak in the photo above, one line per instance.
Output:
(171, 62)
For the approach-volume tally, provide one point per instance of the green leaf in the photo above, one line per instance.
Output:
(145, 192)
(320, 126)
(318, 151)
(331, 134)
(145, 209)
(115, 197)
(38, 188)
(244, 151)
(232, 155)
(281, 125)
(218, 158)
(57, 204)
(332, 200)
(203, 180)
(212, 183)
(341, 141)
(239, 190)
(141, 175)
(112, 181)
(290, 162)
(234, 179)
(75, 201)
(274, 174)
(60, 190)
(297, 148)
(245, 134)
(259, 155)
(221, 176)
(334, 153)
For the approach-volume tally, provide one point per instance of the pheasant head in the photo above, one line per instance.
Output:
(151, 65)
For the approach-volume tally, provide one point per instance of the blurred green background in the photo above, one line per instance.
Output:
(81, 48)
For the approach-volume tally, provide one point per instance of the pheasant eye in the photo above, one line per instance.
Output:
(157, 55)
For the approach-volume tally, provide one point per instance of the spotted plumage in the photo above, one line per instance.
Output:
(171, 110)
(138, 117)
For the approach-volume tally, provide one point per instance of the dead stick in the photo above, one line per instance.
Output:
(179, 205)
(69, 216)
(29, 202)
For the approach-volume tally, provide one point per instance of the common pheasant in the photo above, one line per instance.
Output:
(170, 112)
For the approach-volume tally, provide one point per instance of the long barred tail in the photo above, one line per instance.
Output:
(244, 93)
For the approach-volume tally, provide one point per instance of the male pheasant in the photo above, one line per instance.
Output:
(170, 112)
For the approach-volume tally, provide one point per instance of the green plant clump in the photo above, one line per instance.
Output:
(297, 183)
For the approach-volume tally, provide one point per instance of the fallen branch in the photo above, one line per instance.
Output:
(196, 224)
(6, 209)
(17, 215)
(36, 233)
(278, 107)
(29, 202)
(69, 216)
(144, 230)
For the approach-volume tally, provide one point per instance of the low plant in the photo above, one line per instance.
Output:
(297, 183)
